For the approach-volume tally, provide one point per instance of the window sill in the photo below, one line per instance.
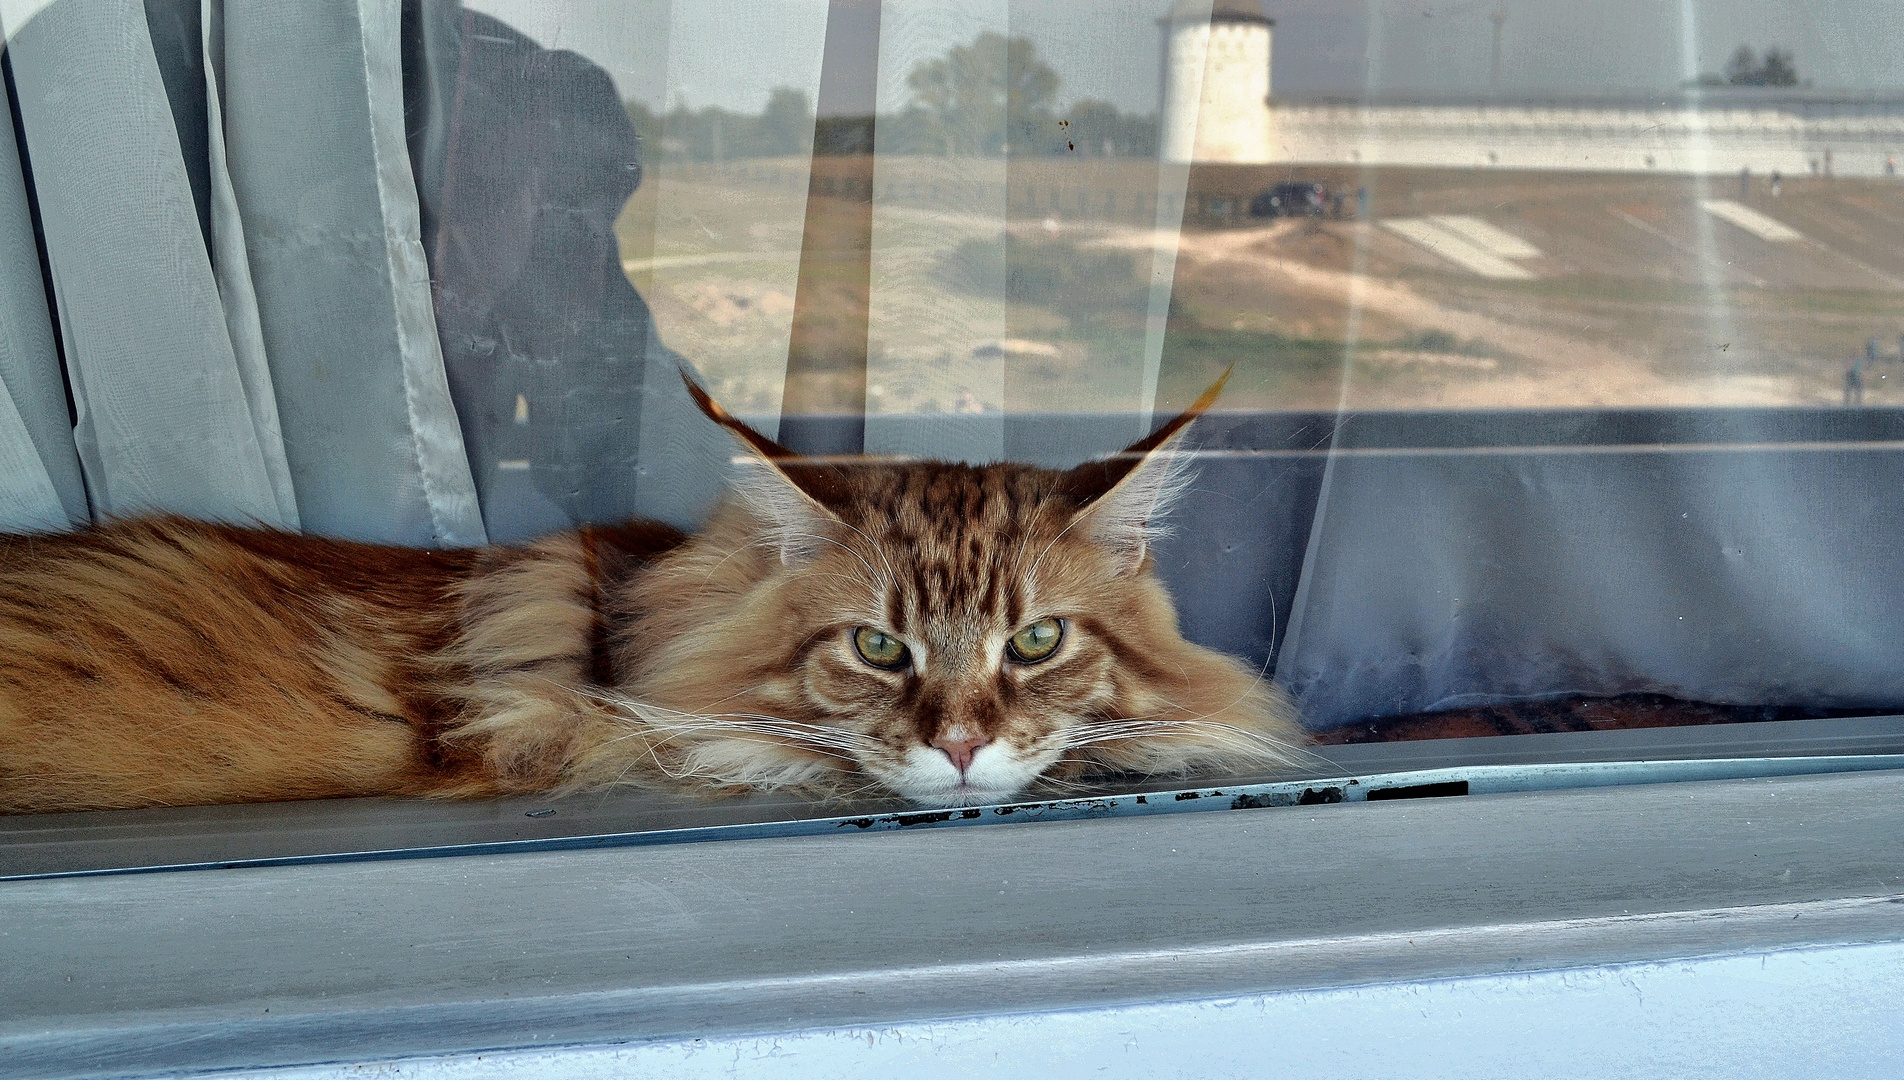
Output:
(356, 830)
(380, 959)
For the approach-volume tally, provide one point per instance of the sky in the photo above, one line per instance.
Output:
(733, 52)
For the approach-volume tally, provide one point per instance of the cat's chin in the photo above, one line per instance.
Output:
(963, 795)
(998, 774)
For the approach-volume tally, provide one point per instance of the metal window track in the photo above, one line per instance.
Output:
(357, 830)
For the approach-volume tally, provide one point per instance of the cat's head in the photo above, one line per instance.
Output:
(950, 633)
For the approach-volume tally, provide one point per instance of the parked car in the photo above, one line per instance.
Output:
(1294, 199)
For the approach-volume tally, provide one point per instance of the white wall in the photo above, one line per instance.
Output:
(1216, 89)
(1711, 141)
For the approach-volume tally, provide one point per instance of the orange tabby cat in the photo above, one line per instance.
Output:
(949, 633)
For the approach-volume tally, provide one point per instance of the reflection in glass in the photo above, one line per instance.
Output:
(1454, 253)
(1099, 210)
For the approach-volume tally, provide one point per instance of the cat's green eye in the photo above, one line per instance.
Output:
(1037, 641)
(880, 649)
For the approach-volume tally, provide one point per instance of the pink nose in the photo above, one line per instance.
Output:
(960, 750)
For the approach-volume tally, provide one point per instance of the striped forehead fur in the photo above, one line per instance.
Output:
(955, 535)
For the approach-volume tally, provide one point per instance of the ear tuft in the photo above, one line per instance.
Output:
(758, 443)
(795, 525)
(816, 483)
(791, 511)
(1129, 518)
(1122, 499)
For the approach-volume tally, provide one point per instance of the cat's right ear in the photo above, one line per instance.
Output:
(796, 520)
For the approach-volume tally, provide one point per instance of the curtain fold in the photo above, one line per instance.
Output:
(40, 484)
(1736, 575)
(232, 268)
(314, 147)
(951, 337)
(28, 501)
(165, 419)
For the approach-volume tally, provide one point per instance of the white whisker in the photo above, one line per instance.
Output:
(872, 575)
(1054, 541)
(1238, 738)
(892, 575)
(665, 725)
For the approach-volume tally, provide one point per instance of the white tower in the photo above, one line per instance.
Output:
(1216, 82)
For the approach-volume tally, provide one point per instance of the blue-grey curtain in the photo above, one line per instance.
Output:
(571, 407)
(40, 484)
(166, 417)
(232, 238)
(254, 216)
(313, 104)
(1755, 573)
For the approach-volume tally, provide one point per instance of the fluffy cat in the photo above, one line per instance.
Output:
(947, 633)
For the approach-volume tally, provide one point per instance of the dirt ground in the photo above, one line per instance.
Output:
(1636, 296)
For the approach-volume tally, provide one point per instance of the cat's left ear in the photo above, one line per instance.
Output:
(759, 443)
(1123, 498)
(782, 488)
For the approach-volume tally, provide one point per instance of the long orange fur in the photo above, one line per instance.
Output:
(161, 661)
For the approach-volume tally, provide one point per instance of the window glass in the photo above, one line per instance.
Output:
(1552, 329)
(1564, 343)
